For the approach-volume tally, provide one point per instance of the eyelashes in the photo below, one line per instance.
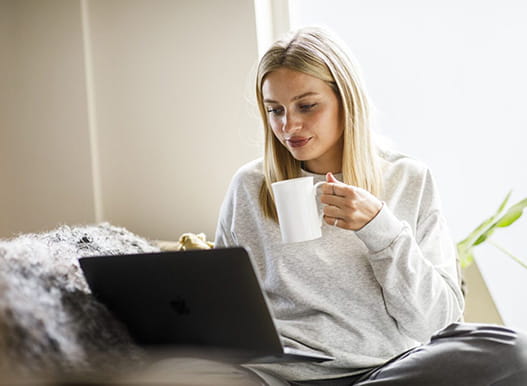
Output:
(307, 107)
(303, 108)
(275, 111)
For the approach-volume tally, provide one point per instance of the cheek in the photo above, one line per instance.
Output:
(275, 127)
(325, 120)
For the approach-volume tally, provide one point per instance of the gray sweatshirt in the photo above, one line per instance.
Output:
(363, 296)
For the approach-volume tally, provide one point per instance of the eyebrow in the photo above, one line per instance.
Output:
(309, 93)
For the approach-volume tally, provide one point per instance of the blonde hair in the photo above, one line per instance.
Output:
(315, 52)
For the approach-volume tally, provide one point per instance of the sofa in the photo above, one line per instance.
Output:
(54, 331)
(49, 321)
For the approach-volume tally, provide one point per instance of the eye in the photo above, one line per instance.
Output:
(307, 107)
(275, 110)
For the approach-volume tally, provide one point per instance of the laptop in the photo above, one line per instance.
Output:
(201, 299)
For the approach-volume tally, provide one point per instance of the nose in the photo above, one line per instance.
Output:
(291, 123)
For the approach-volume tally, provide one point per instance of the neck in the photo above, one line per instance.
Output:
(317, 167)
(329, 162)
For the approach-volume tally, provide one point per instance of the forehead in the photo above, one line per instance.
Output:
(283, 84)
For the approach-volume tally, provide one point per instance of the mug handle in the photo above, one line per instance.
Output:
(315, 188)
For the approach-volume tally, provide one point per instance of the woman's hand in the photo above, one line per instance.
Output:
(347, 206)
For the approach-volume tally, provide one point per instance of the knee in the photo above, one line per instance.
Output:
(508, 349)
(514, 362)
(518, 353)
(510, 345)
(490, 345)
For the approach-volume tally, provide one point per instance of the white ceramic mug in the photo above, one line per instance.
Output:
(297, 208)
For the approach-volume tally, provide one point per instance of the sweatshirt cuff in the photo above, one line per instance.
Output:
(381, 231)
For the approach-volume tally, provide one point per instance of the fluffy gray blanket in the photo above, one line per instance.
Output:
(49, 321)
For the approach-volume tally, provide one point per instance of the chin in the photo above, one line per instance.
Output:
(300, 157)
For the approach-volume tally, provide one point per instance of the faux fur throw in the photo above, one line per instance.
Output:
(49, 321)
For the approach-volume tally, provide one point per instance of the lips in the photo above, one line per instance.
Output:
(298, 141)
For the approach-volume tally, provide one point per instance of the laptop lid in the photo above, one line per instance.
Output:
(199, 298)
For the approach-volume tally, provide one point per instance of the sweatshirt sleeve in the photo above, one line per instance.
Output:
(225, 236)
(222, 238)
(417, 272)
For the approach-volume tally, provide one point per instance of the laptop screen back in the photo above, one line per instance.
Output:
(194, 298)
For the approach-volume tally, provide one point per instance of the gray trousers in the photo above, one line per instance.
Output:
(460, 355)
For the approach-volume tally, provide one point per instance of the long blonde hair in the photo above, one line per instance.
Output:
(315, 52)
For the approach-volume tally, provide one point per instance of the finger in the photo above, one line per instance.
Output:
(331, 178)
(335, 188)
(331, 199)
(332, 181)
(336, 222)
(331, 220)
(328, 188)
(343, 190)
(332, 211)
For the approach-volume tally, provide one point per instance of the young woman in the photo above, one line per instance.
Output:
(379, 291)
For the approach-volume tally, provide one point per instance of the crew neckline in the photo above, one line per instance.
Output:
(306, 173)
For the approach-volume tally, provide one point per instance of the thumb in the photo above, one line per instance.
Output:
(331, 178)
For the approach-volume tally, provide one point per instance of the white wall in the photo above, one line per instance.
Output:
(171, 81)
(163, 87)
(45, 154)
(4, 78)
(448, 80)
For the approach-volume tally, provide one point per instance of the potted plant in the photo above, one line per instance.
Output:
(501, 219)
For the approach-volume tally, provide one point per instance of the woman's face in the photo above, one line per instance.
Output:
(304, 114)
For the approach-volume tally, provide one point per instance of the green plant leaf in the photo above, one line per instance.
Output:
(483, 237)
(476, 233)
(484, 230)
(481, 233)
(506, 252)
(466, 258)
(513, 214)
(504, 203)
